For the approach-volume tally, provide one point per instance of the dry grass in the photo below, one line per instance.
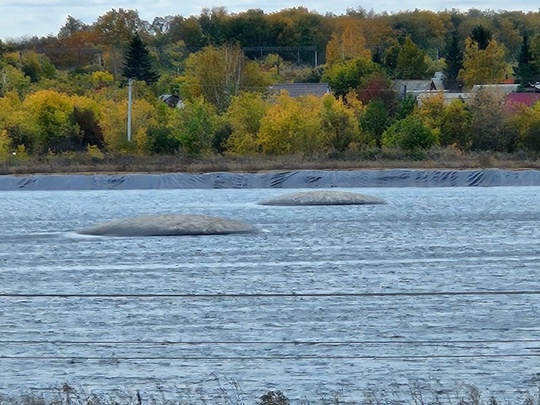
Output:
(448, 158)
(463, 395)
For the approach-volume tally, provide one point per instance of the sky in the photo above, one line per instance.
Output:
(27, 18)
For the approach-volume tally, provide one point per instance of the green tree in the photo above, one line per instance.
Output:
(409, 134)
(411, 62)
(482, 36)
(138, 63)
(456, 126)
(194, 126)
(375, 120)
(347, 75)
(453, 56)
(526, 70)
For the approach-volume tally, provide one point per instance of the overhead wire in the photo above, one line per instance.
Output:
(272, 295)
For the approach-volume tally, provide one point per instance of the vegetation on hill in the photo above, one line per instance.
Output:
(65, 97)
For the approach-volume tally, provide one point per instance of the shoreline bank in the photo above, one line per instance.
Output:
(297, 179)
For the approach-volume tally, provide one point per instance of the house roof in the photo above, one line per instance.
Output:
(302, 89)
(418, 86)
(528, 99)
(495, 88)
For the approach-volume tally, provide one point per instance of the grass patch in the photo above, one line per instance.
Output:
(442, 158)
(233, 395)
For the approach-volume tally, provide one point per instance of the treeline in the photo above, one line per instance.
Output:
(69, 92)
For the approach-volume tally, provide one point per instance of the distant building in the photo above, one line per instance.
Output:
(302, 89)
(527, 99)
(501, 89)
(419, 87)
(171, 100)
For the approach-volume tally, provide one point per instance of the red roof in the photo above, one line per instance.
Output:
(528, 99)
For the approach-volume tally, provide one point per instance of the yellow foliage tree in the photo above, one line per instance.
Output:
(113, 123)
(431, 110)
(244, 115)
(14, 119)
(347, 43)
(52, 112)
(218, 74)
(339, 124)
(483, 66)
(292, 125)
(5, 144)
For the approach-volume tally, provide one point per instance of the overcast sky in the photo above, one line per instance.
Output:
(19, 18)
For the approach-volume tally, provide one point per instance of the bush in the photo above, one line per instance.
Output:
(409, 134)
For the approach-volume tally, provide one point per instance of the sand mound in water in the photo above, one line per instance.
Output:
(169, 225)
(323, 198)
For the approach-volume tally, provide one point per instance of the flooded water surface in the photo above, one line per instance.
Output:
(437, 289)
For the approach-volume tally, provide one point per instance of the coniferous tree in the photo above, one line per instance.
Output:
(453, 55)
(482, 36)
(526, 71)
(411, 62)
(138, 63)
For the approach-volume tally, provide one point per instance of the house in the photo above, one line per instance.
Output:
(502, 89)
(526, 99)
(171, 100)
(416, 87)
(302, 89)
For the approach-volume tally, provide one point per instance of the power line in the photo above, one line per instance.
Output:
(276, 357)
(274, 342)
(272, 295)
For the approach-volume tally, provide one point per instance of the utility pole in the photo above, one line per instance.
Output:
(130, 91)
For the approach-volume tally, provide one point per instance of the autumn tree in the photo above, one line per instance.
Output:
(244, 114)
(456, 126)
(488, 120)
(483, 66)
(425, 28)
(292, 125)
(15, 120)
(339, 125)
(378, 86)
(138, 63)
(187, 30)
(220, 73)
(117, 27)
(348, 43)
(52, 113)
(71, 26)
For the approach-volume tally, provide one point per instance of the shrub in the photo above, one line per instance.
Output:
(409, 134)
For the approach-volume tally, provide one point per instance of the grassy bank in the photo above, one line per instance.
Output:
(371, 159)
(463, 395)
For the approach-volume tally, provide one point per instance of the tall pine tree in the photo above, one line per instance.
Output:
(482, 36)
(138, 63)
(526, 70)
(453, 55)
